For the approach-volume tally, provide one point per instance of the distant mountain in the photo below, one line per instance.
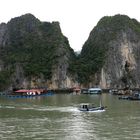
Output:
(33, 54)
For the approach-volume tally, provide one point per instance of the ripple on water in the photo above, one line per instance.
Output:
(40, 120)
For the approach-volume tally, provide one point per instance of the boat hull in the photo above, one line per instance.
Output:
(93, 109)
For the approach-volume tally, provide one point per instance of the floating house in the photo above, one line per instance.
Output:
(30, 92)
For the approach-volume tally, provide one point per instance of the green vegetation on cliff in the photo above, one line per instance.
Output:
(38, 47)
(33, 45)
(95, 49)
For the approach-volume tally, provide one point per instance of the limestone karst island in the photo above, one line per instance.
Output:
(50, 92)
(36, 54)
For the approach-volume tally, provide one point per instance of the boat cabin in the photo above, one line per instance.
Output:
(86, 106)
(94, 91)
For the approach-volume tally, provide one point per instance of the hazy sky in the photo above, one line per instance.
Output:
(77, 17)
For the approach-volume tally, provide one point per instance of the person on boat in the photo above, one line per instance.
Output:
(86, 107)
(102, 107)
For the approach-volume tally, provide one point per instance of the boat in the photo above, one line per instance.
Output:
(26, 93)
(91, 107)
(124, 97)
(94, 91)
(84, 90)
(134, 96)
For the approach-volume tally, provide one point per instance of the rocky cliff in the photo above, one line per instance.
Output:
(34, 54)
(112, 53)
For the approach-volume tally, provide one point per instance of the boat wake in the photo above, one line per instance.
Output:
(40, 108)
(46, 108)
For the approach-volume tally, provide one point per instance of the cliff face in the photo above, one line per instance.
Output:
(115, 42)
(34, 54)
(122, 64)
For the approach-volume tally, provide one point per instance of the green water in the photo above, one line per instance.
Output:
(57, 118)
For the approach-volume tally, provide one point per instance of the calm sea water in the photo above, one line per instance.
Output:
(57, 118)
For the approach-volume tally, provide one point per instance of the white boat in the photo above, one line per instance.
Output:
(90, 107)
(94, 90)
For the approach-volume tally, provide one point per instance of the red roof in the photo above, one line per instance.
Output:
(31, 90)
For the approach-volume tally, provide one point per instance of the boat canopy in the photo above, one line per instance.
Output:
(30, 90)
(94, 89)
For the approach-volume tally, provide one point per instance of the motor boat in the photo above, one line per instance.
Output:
(91, 107)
